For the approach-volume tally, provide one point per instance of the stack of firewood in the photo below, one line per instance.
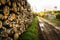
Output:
(15, 16)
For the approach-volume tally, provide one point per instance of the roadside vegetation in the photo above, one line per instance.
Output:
(55, 21)
(32, 32)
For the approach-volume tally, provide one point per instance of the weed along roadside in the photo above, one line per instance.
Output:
(32, 32)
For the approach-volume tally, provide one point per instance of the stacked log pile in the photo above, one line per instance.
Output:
(15, 16)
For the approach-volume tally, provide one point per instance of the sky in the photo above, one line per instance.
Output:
(40, 5)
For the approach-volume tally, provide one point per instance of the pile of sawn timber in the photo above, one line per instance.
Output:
(15, 16)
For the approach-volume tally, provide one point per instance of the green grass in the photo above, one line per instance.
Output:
(31, 33)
